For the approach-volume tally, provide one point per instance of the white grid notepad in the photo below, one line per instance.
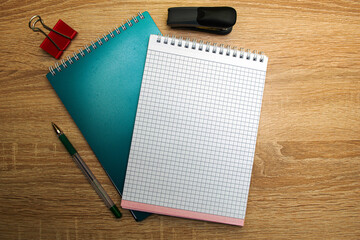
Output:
(195, 131)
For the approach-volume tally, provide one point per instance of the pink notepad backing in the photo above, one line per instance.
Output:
(180, 213)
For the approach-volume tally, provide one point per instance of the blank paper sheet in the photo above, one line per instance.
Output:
(195, 132)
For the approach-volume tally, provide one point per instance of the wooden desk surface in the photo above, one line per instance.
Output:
(305, 182)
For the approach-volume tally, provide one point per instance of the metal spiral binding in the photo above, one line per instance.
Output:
(63, 63)
(241, 52)
(201, 44)
(69, 60)
(212, 48)
(57, 66)
(207, 48)
(87, 48)
(187, 41)
(173, 40)
(234, 52)
(180, 42)
(221, 51)
(193, 46)
(93, 45)
(81, 52)
(228, 50)
(104, 38)
(99, 41)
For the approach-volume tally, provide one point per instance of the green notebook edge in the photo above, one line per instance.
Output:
(100, 90)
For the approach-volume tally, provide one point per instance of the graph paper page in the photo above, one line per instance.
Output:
(195, 131)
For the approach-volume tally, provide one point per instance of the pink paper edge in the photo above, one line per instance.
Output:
(180, 213)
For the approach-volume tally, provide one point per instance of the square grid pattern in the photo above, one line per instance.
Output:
(195, 134)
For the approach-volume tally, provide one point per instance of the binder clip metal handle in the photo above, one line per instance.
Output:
(35, 19)
(219, 20)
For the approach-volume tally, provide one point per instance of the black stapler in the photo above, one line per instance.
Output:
(217, 20)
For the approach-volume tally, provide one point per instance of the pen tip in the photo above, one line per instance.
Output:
(56, 128)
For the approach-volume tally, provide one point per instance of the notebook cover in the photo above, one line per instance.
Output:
(101, 92)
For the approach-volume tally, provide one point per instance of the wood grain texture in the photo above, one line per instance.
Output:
(305, 182)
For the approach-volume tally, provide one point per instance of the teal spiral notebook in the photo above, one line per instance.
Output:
(100, 87)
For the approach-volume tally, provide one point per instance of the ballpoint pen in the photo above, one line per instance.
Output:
(85, 169)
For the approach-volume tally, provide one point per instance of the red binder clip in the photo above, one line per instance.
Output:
(58, 38)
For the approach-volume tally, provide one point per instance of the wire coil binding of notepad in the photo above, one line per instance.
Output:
(100, 41)
(212, 48)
